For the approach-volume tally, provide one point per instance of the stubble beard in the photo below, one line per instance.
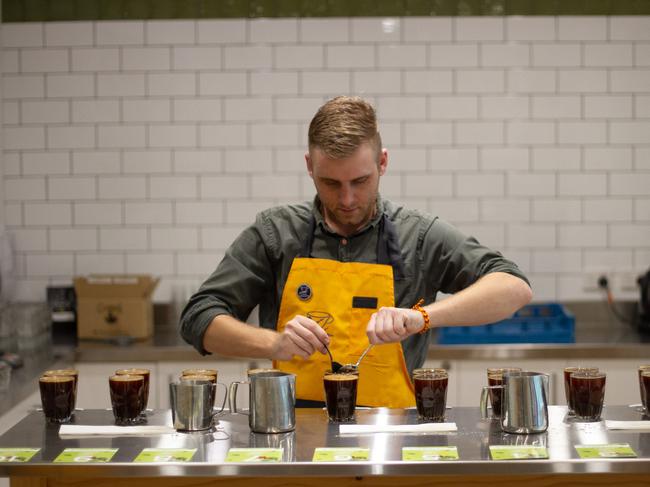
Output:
(351, 223)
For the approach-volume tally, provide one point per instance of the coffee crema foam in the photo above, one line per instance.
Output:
(342, 377)
(61, 372)
(126, 378)
(132, 372)
(56, 378)
(211, 372)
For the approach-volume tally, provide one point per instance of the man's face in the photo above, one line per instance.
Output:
(348, 187)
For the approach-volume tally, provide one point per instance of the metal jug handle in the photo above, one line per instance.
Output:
(232, 396)
(225, 398)
(484, 398)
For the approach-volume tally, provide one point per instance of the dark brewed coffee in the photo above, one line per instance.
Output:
(127, 398)
(567, 384)
(144, 373)
(431, 396)
(645, 392)
(495, 378)
(57, 397)
(588, 394)
(74, 373)
(495, 394)
(567, 387)
(644, 398)
(341, 396)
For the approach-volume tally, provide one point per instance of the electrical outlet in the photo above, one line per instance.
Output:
(591, 278)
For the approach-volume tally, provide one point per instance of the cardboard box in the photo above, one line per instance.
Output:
(114, 305)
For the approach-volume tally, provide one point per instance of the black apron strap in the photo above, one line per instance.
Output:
(388, 249)
(305, 250)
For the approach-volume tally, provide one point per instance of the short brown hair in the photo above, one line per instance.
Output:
(341, 125)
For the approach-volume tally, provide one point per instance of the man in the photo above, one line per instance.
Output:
(348, 270)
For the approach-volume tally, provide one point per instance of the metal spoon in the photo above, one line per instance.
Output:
(335, 365)
(355, 367)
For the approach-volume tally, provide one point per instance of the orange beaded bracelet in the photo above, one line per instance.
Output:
(425, 315)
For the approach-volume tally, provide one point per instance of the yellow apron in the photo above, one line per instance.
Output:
(341, 297)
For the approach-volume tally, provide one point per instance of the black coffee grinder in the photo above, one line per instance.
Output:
(62, 302)
(643, 312)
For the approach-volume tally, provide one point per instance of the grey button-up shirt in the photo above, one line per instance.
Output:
(436, 258)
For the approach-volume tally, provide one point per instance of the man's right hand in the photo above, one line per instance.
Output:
(301, 336)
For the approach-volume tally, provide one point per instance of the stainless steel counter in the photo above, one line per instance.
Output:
(473, 438)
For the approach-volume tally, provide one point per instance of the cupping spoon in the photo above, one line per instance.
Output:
(335, 365)
(354, 367)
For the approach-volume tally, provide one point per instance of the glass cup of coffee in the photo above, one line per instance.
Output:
(644, 397)
(431, 394)
(250, 372)
(211, 372)
(57, 397)
(209, 378)
(645, 391)
(427, 369)
(587, 394)
(567, 384)
(74, 373)
(340, 396)
(495, 378)
(146, 373)
(127, 398)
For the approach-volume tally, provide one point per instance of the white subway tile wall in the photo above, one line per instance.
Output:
(148, 146)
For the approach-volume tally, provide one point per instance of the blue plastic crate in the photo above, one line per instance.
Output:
(535, 323)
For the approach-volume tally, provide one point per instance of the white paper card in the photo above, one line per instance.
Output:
(83, 430)
(360, 429)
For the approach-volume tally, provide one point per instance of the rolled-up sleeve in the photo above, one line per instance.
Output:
(234, 288)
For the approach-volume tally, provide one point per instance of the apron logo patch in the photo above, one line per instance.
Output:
(304, 292)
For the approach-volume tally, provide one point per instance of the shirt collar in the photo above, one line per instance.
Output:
(320, 220)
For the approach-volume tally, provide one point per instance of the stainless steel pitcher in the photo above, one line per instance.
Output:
(272, 401)
(193, 404)
(524, 403)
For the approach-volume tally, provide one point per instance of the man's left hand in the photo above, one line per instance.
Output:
(389, 325)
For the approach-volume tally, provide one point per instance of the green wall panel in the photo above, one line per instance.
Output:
(57, 10)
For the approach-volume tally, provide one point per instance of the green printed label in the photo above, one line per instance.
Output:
(162, 455)
(254, 455)
(85, 455)
(429, 453)
(341, 455)
(615, 450)
(18, 455)
(516, 452)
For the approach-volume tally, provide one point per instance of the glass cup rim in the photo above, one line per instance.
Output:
(644, 367)
(257, 370)
(60, 373)
(133, 371)
(126, 378)
(56, 378)
(431, 375)
(588, 375)
(351, 375)
(502, 370)
(421, 370)
(645, 373)
(580, 368)
(198, 371)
